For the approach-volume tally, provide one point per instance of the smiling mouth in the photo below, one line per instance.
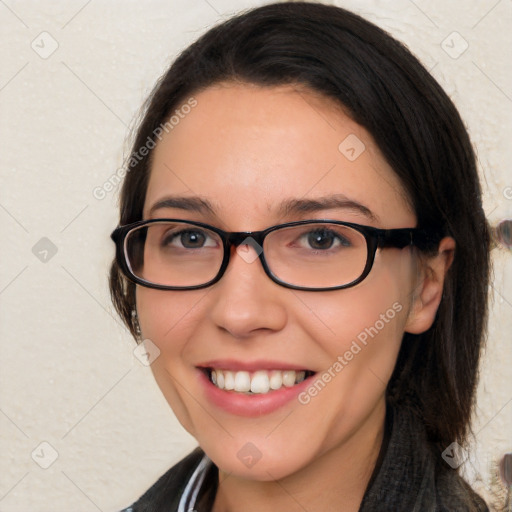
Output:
(257, 382)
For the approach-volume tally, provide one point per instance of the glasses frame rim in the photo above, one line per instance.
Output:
(424, 238)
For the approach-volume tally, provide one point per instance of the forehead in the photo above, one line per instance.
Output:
(247, 148)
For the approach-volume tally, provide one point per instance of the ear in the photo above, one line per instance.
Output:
(429, 288)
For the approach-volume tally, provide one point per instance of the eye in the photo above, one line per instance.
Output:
(323, 239)
(188, 239)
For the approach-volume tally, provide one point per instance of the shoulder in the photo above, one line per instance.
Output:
(455, 494)
(165, 493)
(411, 475)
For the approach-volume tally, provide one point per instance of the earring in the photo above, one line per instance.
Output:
(135, 322)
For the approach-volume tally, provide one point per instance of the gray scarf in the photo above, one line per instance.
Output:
(411, 477)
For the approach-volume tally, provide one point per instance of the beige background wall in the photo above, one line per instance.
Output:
(68, 377)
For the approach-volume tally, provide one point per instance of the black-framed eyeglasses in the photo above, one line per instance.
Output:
(313, 255)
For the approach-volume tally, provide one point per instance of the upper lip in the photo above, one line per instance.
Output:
(250, 366)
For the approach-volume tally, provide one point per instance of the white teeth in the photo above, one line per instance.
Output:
(229, 380)
(258, 382)
(289, 378)
(220, 379)
(276, 379)
(242, 381)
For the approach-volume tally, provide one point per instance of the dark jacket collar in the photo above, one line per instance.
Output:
(413, 477)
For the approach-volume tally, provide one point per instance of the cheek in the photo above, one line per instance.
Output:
(367, 320)
(364, 333)
(359, 331)
(166, 317)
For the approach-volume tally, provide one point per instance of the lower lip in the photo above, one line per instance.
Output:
(250, 405)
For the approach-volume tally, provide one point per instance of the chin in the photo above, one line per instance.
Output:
(258, 460)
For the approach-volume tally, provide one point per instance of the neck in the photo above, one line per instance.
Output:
(334, 480)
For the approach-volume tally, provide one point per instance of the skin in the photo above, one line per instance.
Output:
(245, 149)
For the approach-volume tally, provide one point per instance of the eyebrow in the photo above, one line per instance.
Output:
(335, 201)
(285, 208)
(191, 204)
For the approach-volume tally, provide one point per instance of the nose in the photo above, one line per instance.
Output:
(247, 301)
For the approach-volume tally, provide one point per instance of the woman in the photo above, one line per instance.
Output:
(303, 246)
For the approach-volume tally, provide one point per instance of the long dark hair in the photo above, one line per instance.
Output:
(385, 89)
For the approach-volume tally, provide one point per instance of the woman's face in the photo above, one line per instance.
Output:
(247, 150)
